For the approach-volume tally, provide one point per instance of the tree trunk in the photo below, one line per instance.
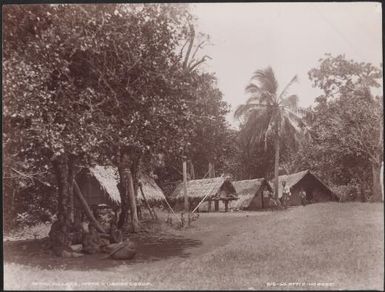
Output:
(71, 180)
(185, 194)
(276, 166)
(128, 170)
(132, 202)
(376, 187)
(63, 242)
(122, 186)
(62, 175)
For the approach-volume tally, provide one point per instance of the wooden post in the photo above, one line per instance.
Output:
(151, 211)
(209, 203)
(226, 205)
(192, 171)
(186, 204)
(211, 175)
(132, 201)
(262, 198)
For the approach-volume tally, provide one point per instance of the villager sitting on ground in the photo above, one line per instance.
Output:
(274, 203)
(61, 241)
(92, 241)
(125, 250)
(76, 233)
(115, 234)
(104, 215)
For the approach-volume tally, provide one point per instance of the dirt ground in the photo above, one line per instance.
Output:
(160, 243)
(340, 245)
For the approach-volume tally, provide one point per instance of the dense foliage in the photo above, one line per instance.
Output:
(346, 125)
(80, 81)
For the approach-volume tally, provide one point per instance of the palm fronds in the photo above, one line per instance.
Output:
(264, 110)
(291, 102)
(266, 80)
(285, 90)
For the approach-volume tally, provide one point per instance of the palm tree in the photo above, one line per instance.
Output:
(269, 114)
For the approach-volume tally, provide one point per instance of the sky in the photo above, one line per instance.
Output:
(289, 37)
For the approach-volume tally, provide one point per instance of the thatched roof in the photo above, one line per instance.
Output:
(292, 179)
(209, 188)
(150, 189)
(108, 178)
(246, 190)
(243, 201)
(249, 186)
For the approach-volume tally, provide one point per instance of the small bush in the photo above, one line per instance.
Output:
(346, 193)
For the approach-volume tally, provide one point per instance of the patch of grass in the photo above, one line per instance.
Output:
(328, 243)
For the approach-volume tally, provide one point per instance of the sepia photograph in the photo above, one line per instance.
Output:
(193, 146)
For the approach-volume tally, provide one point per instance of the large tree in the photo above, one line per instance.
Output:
(271, 113)
(81, 81)
(347, 121)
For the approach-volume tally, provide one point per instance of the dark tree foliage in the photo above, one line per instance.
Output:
(81, 81)
(346, 125)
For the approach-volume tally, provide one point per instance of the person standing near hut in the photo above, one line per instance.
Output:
(285, 194)
(302, 195)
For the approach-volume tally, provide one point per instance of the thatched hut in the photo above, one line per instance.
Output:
(98, 185)
(215, 190)
(252, 194)
(316, 190)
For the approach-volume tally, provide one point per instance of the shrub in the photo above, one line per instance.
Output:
(346, 193)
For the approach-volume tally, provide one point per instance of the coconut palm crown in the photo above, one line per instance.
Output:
(270, 113)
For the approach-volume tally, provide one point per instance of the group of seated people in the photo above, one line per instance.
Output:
(84, 238)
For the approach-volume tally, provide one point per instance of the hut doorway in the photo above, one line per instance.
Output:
(216, 205)
(309, 195)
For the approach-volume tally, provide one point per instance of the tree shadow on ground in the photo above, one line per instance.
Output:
(150, 248)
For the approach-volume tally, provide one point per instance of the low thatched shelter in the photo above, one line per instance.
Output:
(252, 194)
(215, 190)
(98, 185)
(316, 190)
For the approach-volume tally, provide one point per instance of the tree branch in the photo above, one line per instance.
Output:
(192, 37)
(30, 176)
(199, 62)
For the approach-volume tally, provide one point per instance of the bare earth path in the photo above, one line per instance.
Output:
(332, 245)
